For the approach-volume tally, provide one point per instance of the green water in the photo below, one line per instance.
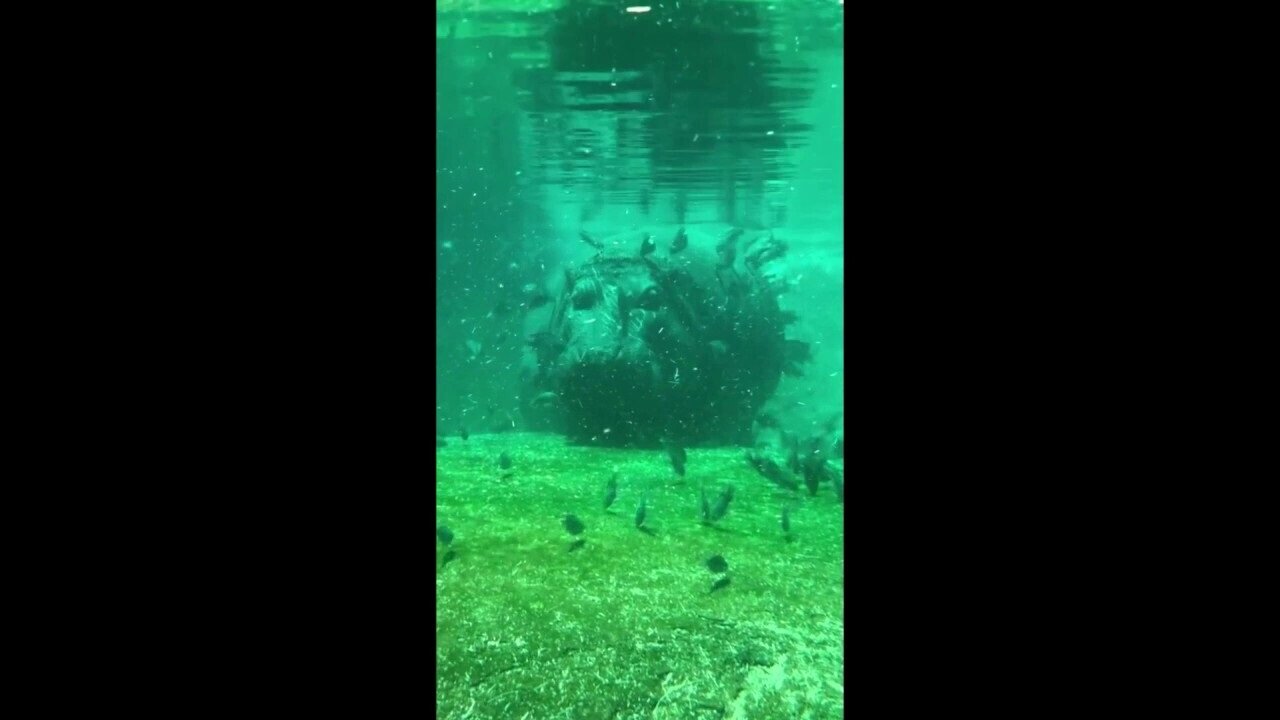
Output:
(557, 116)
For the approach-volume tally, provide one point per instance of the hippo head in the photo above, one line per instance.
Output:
(609, 306)
(642, 347)
(618, 343)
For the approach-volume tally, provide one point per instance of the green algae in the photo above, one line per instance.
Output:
(625, 626)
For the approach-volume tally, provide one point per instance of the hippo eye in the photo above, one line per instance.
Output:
(650, 299)
(585, 295)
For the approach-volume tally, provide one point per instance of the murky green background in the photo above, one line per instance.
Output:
(558, 116)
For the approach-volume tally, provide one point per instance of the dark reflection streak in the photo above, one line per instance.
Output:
(658, 109)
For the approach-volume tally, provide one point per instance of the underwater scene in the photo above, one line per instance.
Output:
(640, 359)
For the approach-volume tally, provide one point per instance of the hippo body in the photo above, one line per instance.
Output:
(646, 345)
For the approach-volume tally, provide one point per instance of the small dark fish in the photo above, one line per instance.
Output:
(448, 557)
(502, 308)
(789, 317)
(838, 484)
(721, 583)
(815, 470)
(728, 248)
(640, 511)
(769, 469)
(445, 535)
(767, 420)
(504, 461)
(546, 399)
(811, 478)
(678, 458)
(577, 544)
(786, 519)
(722, 505)
(761, 250)
(839, 448)
(717, 564)
(440, 442)
(462, 432)
(573, 525)
(647, 245)
(611, 491)
(680, 242)
(706, 507)
(590, 240)
(538, 300)
(793, 460)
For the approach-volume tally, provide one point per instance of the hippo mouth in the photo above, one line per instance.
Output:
(612, 397)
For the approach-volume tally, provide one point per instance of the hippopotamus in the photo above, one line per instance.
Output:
(651, 342)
